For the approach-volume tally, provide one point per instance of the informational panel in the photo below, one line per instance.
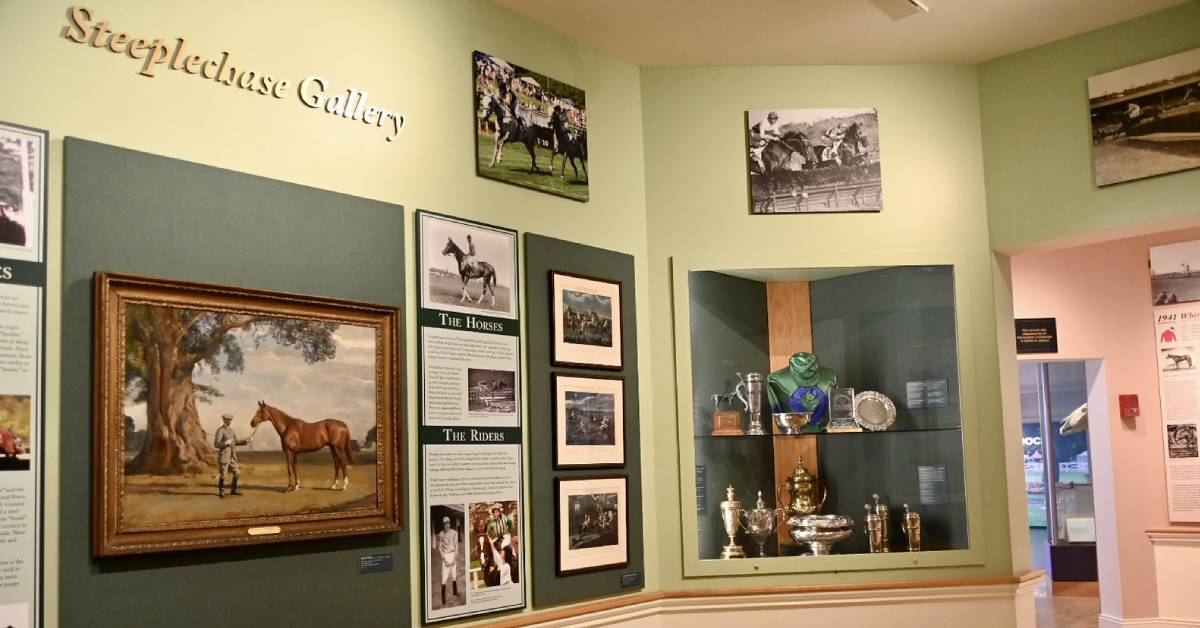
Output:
(542, 256)
(22, 370)
(1178, 338)
(471, 505)
(133, 212)
(1176, 298)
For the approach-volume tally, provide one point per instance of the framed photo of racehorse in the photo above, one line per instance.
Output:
(809, 161)
(591, 523)
(232, 416)
(466, 266)
(589, 421)
(585, 316)
(524, 122)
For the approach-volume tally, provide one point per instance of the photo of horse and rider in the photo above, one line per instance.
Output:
(1146, 118)
(15, 432)
(15, 178)
(491, 391)
(468, 267)
(587, 318)
(495, 545)
(231, 415)
(593, 520)
(814, 160)
(524, 122)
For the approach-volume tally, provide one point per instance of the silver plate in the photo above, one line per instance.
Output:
(874, 411)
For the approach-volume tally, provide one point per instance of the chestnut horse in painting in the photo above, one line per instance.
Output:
(297, 436)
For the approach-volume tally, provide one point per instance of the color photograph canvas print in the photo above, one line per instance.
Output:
(1146, 119)
(805, 161)
(530, 129)
(240, 414)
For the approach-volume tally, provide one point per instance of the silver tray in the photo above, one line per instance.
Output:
(874, 411)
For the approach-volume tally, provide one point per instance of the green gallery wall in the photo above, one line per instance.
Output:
(1037, 140)
(667, 149)
(696, 194)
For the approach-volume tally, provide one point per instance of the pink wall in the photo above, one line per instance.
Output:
(1100, 295)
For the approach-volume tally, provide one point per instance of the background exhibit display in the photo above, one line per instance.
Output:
(532, 120)
(470, 419)
(814, 160)
(189, 374)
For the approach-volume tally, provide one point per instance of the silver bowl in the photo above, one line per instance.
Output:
(791, 422)
(820, 532)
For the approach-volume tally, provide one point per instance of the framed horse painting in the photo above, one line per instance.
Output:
(231, 416)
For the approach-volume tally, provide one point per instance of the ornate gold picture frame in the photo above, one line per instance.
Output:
(231, 416)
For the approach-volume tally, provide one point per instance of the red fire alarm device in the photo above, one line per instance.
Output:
(1129, 407)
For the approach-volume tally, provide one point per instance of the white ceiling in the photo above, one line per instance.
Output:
(811, 32)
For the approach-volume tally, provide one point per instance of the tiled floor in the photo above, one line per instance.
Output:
(1062, 604)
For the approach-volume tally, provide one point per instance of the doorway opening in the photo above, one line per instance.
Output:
(1059, 486)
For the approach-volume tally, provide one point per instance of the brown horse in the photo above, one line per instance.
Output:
(297, 436)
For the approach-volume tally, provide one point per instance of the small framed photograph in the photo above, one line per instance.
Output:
(592, 523)
(589, 421)
(585, 315)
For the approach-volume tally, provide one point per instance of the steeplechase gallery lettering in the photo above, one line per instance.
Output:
(162, 54)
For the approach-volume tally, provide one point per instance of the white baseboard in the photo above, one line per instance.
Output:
(983, 606)
(1108, 621)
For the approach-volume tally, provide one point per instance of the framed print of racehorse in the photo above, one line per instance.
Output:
(524, 121)
(466, 266)
(804, 161)
(232, 416)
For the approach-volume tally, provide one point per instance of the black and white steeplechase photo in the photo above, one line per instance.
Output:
(468, 267)
(491, 391)
(1146, 118)
(1181, 440)
(590, 418)
(593, 520)
(589, 421)
(587, 320)
(814, 160)
(21, 186)
(447, 556)
(530, 129)
(1175, 273)
(592, 523)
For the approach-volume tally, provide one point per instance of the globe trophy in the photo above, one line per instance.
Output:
(759, 523)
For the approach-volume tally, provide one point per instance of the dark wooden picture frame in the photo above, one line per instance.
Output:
(576, 354)
(562, 533)
(619, 445)
(202, 319)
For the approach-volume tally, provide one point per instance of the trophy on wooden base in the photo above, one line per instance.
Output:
(726, 420)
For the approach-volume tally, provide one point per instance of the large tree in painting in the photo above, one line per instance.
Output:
(165, 346)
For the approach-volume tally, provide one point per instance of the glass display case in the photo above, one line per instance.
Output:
(853, 375)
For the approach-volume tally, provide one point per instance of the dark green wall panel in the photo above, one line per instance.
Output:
(133, 212)
(543, 254)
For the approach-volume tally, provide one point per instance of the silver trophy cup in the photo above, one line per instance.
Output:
(750, 391)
